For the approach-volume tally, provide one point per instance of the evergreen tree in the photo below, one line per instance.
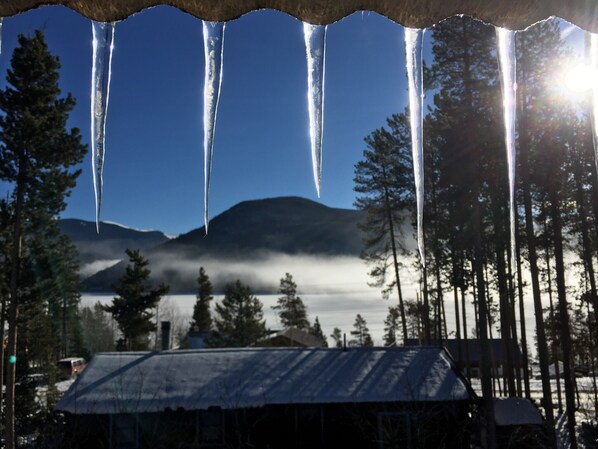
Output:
(360, 333)
(36, 155)
(391, 327)
(202, 318)
(337, 337)
(291, 310)
(131, 309)
(316, 331)
(383, 181)
(98, 334)
(239, 319)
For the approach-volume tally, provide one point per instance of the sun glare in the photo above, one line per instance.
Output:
(581, 78)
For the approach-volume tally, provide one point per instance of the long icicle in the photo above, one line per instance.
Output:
(213, 44)
(508, 78)
(315, 50)
(101, 70)
(413, 52)
(594, 65)
(1, 19)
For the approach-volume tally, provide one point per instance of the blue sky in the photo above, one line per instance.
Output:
(153, 176)
(154, 164)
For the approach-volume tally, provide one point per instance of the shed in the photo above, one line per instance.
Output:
(519, 424)
(269, 397)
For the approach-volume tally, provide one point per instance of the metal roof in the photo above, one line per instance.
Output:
(516, 411)
(138, 382)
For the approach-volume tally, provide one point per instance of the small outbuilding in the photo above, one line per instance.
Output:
(270, 398)
(519, 424)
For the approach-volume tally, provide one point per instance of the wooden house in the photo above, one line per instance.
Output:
(270, 398)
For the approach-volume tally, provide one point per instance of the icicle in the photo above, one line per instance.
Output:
(506, 57)
(413, 51)
(315, 49)
(594, 63)
(213, 44)
(103, 45)
(1, 19)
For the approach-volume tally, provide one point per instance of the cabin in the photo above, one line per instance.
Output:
(312, 398)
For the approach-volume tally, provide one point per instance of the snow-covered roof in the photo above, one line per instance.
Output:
(516, 412)
(137, 382)
(295, 337)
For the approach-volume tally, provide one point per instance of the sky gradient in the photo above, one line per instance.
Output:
(153, 175)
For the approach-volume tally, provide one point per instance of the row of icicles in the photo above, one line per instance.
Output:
(315, 48)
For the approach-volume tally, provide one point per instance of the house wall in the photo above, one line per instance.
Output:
(329, 426)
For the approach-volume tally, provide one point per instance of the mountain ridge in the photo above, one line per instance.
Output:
(249, 231)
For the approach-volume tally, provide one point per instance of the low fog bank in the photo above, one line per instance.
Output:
(313, 274)
(89, 269)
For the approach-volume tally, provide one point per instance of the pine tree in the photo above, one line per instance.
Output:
(383, 181)
(316, 331)
(337, 337)
(391, 327)
(36, 156)
(361, 334)
(98, 334)
(131, 309)
(239, 319)
(291, 310)
(202, 318)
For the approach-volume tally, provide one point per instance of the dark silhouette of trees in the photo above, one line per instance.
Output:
(383, 182)
(36, 155)
(132, 308)
(337, 337)
(290, 307)
(360, 334)
(202, 318)
(98, 332)
(239, 319)
(316, 331)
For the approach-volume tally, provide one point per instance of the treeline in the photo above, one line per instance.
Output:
(235, 321)
(466, 221)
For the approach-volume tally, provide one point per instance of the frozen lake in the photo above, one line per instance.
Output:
(332, 309)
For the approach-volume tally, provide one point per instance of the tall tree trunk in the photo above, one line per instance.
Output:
(555, 357)
(440, 300)
(11, 348)
(425, 294)
(2, 354)
(484, 351)
(465, 342)
(457, 322)
(524, 146)
(564, 315)
(585, 236)
(522, 324)
(515, 354)
(395, 258)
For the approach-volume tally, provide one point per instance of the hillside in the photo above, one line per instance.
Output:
(249, 231)
(99, 250)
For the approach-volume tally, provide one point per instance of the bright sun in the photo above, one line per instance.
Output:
(581, 78)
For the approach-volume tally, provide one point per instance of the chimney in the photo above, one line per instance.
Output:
(165, 328)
